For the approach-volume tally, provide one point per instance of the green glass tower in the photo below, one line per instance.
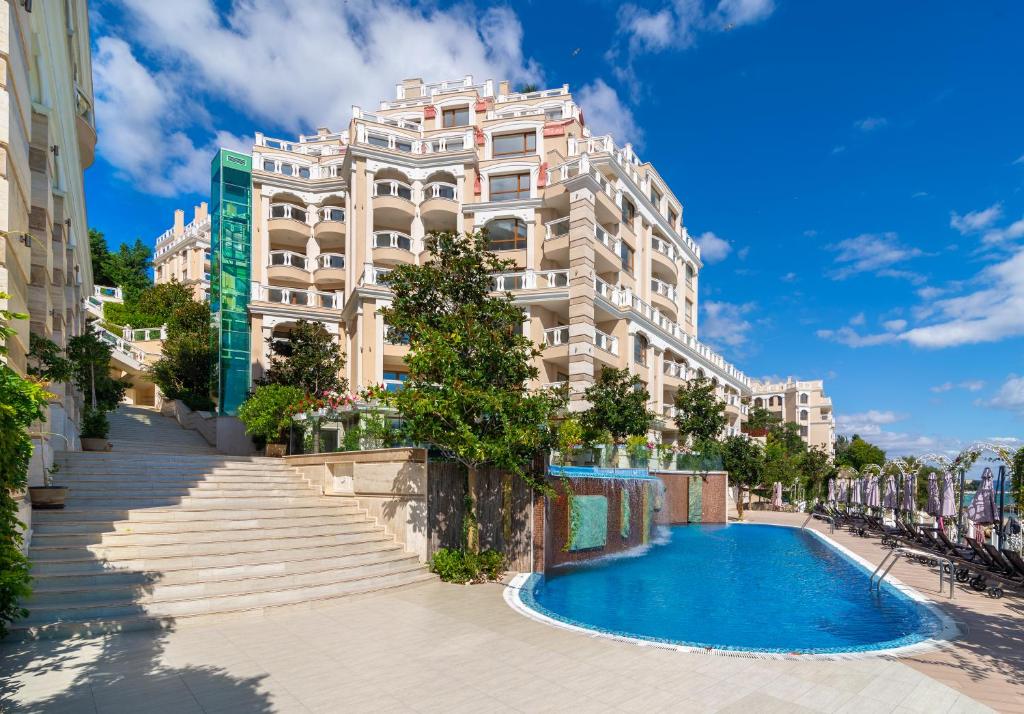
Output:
(231, 256)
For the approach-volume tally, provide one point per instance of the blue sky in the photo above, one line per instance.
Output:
(854, 171)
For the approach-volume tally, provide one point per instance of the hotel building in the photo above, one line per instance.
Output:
(803, 403)
(606, 270)
(47, 139)
(182, 252)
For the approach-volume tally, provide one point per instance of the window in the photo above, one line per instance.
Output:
(510, 188)
(507, 234)
(688, 311)
(628, 212)
(803, 415)
(689, 275)
(626, 256)
(286, 169)
(403, 145)
(803, 398)
(304, 172)
(655, 197)
(639, 349)
(458, 116)
(554, 114)
(803, 431)
(454, 143)
(377, 140)
(673, 218)
(268, 165)
(393, 381)
(514, 144)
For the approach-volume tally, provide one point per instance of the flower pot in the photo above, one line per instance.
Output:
(47, 496)
(90, 444)
(276, 450)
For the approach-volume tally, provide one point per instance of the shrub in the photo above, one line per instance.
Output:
(94, 424)
(455, 565)
(187, 366)
(266, 412)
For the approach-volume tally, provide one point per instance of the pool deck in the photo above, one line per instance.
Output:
(437, 647)
(987, 661)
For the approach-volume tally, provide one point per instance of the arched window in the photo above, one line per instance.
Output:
(639, 349)
(803, 415)
(758, 402)
(804, 398)
(507, 234)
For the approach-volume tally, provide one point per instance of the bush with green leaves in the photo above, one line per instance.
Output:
(94, 424)
(266, 413)
(152, 307)
(187, 365)
(618, 406)
(455, 565)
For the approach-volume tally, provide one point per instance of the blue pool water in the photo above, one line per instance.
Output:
(743, 587)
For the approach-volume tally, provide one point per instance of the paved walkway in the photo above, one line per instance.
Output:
(437, 647)
(987, 661)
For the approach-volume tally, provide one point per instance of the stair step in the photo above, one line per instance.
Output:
(179, 526)
(110, 501)
(200, 489)
(324, 507)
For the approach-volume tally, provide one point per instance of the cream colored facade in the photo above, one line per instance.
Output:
(182, 252)
(606, 270)
(803, 403)
(47, 139)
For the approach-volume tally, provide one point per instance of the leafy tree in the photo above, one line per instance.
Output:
(815, 468)
(309, 359)
(1017, 476)
(858, 453)
(743, 458)
(47, 361)
(468, 365)
(128, 268)
(152, 307)
(761, 419)
(187, 364)
(618, 406)
(788, 437)
(100, 255)
(265, 413)
(700, 414)
(90, 359)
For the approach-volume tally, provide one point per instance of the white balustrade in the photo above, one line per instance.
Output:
(392, 239)
(660, 287)
(107, 294)
(391, 187)
(330, 260)
(297, 297)
(288, 210)
(556, 228)
(555, 336)
(530, 280)
(664, 247)
(372, 275)
(287, 258)
(606, 342)
(440, 189)
(332, 213)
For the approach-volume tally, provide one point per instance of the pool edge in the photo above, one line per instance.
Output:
(948, 627)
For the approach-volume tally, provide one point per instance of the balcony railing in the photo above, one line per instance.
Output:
(107, 294)
(606, 342)
(675, 369)
(330, 260)
(439, 189)
(607, 240)
(660, 287)
(669, 411)
(531, 279)
(391, 187)
(556, 228)
(297, 297)
(332, 213)
(555, 336)
(287, 258)
(392, 239)
(664, 247)
(144, 334)
(288, 210)
(372, 275)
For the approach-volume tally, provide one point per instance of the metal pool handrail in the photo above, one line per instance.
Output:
(895, 555)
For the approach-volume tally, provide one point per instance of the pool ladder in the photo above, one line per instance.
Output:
(892, 556)
(824, 517)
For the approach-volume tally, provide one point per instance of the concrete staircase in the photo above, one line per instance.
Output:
(163, 531)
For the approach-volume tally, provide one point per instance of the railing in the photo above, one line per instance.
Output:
(122, 347)
(288, 210)
(387, 141)
(556, 228)
(391, 187)
(664, 247)
(330, 260)
(107, 294)
(675, 369)
(287, 258)
(444, 144)
(669, 411)
(517, 112)
(555, 336)
(540, 94)
(662, 288)
(332, 213)
(392, 239)
(604, 238)
(439, 189)
(194, 229)
(295, 296)
(531, 279)
(606, 342)
(144, 334)
(372, 275)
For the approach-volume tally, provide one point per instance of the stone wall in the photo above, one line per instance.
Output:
(682, 501)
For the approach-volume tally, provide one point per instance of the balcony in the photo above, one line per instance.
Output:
(330, 226)
(287, 225)
(295, 297)
(288, 267)
(674, 370)
(608, 343)
(329, 271)
(556, 336)
(531, 280)
(663, 296)
(85, 128)
(440, 206)
(392, 247)
(392, 203)
(663, 256)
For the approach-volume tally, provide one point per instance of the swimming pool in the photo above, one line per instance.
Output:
(736, 587)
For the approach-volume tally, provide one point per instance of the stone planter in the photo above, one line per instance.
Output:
(275, 450)
(47, 496)
(89, 444)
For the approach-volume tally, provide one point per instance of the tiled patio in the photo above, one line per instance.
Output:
(437, 647)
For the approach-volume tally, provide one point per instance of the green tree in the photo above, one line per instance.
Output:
(152, 307)
(761, 419)
(265, 413)
(816, 468)
(858, 453)
(128, 268)
(468, 365)
(618, 406)
(743, 458)
(309, 359)
(187, 363)
(90, 359)
(787, 435)
(99, 255)
(700, 415)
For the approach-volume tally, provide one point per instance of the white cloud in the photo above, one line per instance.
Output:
(724, 324)
(866, 421)
(1019, 160)
(944, 387)
(859, 319)
(743, 12)
(151, 118)
(743, 252)
(919, 194)
(851, 338)
(870, 425)
(971, 385)
(871, 123)
(788, 277)
(1010, 395)
(838, 149)
(998, 235)
(605, 113)
(894, 325)
(712, 248)
(976, 220)
(873, 253)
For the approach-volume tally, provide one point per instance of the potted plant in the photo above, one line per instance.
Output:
(48, 496)
(95, 428)
(267, 415)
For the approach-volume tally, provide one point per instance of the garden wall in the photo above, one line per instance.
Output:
(695, 497)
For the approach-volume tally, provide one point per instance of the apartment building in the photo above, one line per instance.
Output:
(47, 139)
(803, 403)
(606, 270)
(182, 252)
